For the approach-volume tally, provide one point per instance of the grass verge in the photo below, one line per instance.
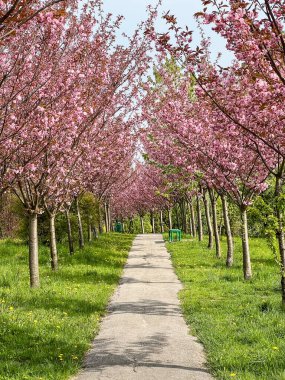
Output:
(241, 324)
(44, 333)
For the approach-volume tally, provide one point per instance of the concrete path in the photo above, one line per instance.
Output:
(144, 336)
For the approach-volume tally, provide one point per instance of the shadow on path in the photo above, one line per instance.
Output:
(137, 355)
(145, 307)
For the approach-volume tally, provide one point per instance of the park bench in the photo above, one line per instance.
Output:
(175, 232)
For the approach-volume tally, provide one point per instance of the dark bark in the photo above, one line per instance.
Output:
(183, 215)
(215, 223)
(131, 226)
(152, 222)
(69, 233)
(190, 220)
(99, 219)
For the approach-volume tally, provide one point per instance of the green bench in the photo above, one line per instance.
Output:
(177, 234)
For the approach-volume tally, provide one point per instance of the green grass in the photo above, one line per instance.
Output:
(44, 333)
(241, 324)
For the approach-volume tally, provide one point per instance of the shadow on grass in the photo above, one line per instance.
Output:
(89, 277)
(70, 305)
(38, 325)
(28, 351)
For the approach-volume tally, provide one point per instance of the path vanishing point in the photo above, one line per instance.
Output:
(144, 335)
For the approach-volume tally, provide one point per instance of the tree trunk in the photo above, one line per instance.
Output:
(131, 226)
(190, 220)
(89, 229)
(161, 222)
(192, 214)
(245, 245)
(230, 244)
(177, 216)
(80, 229)
(106, 217)
(169, 218)
(208, 220)
(183, 216)
(215, 223)
(280, 235)
(142, 224)
(99, 219)
(152, 222)
(33, 251)
(53, 247)
(109, 218)
(199, 216)
(69, 233)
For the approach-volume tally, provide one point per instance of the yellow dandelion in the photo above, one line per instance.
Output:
(11, 308)
(233, 374)
(275, 348)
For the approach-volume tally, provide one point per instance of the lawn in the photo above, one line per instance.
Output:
(44, 333)
(241, 324)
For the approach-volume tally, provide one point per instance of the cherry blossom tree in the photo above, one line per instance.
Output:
(201, 139)
(250, 92)
(59, 96)
(14, 14)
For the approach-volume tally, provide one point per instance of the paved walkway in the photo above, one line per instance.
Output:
(144, 337)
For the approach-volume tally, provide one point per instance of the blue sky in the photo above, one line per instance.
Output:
(135, 10)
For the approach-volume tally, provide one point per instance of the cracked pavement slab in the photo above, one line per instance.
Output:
(144, 335)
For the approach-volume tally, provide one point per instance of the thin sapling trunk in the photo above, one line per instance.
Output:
(169, 213)
(280, 235)
(230, 244)
(106, 217)
(192, 215)
(152, 222)
(89, 229)
(247, 273)
(142, 224)
(53, 247)
(33, 250)
(199, 217)
(161, 222)
(69, 233)
(80, 229)
(208, 220)
(215, 223)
